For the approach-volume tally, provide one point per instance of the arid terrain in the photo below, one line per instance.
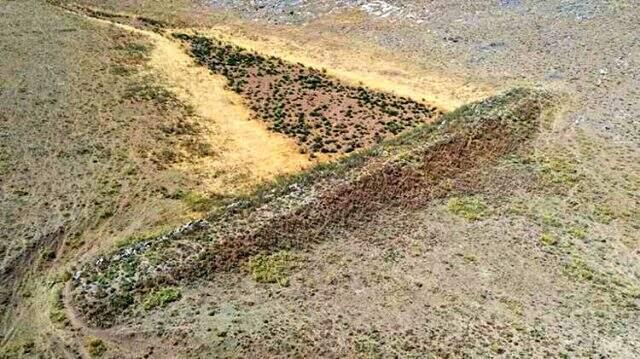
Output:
(332, 178)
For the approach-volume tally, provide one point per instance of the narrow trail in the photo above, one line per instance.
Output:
(249, 153)
(125, 341)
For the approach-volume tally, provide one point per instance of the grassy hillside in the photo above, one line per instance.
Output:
(159, 196)
(428, 163)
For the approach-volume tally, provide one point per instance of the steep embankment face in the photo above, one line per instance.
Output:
(409, 172)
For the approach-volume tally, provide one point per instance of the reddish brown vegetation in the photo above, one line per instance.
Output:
(428, 163)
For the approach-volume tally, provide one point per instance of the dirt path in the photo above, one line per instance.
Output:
(125, 343)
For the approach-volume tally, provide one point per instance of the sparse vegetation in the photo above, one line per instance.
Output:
(56, 311)
(322, 114)
(506, 228)
(558, 171)
(95, 347)
(273, 268)
(148, 90)
(471, 208)
(331, 196)
(622, 291)
(368, 346)
(161, 298)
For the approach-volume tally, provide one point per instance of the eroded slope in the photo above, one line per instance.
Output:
(425, 164)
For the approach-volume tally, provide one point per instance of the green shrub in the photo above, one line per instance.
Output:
(161, 297)
(274, 268)
(95, 347)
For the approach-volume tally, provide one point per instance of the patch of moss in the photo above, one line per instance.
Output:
(273, 268)
(161, 297)
(471, 208)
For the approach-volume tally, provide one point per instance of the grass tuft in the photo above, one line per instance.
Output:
(274, 268)
(160, 298)
(471, 208)
(548, 239)
(95, 347)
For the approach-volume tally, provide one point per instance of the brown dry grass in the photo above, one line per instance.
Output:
(346, 60)
(247, 153)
